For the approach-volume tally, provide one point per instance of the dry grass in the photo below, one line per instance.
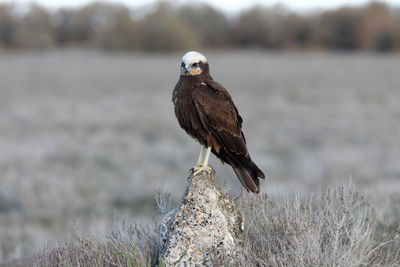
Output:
(126, 246)
(337, 229)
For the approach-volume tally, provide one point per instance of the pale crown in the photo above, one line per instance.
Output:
(192, 57)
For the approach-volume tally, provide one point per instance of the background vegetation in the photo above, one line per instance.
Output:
(335, 229)
(166, 26)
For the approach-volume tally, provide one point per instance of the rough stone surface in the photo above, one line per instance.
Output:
(205, 229)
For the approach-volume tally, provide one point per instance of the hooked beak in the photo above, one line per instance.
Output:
(185, 69)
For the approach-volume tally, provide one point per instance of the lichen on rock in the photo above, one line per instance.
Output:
(205, 229)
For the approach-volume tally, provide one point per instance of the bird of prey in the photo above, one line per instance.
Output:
(205, 110)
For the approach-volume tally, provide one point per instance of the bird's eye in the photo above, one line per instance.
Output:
(195, 64)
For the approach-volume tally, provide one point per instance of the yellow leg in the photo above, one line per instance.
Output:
(200, 160)
(205, 163)
(204, 166)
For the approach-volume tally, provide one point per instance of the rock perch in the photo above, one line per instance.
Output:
(205, 229)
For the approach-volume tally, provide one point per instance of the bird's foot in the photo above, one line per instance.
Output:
(195, 168)
(199, 168)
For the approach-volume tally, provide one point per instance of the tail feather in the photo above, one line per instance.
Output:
(258, 171)
(249, 178)
(246, 170)
(248, 182)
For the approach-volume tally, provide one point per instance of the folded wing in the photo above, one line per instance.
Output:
(220, 118)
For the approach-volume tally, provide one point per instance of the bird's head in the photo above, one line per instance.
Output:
(193, 63)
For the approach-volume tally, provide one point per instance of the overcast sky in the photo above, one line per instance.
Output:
(230, 6)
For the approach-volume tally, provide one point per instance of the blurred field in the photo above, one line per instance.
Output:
(88, 136)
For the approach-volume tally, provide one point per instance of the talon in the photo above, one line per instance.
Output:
(207, 169)
(196, 168)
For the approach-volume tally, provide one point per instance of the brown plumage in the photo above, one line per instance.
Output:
(205, 110)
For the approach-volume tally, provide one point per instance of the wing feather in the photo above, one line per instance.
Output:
(219, 116)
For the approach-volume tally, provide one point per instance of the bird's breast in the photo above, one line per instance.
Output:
(188, 118)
